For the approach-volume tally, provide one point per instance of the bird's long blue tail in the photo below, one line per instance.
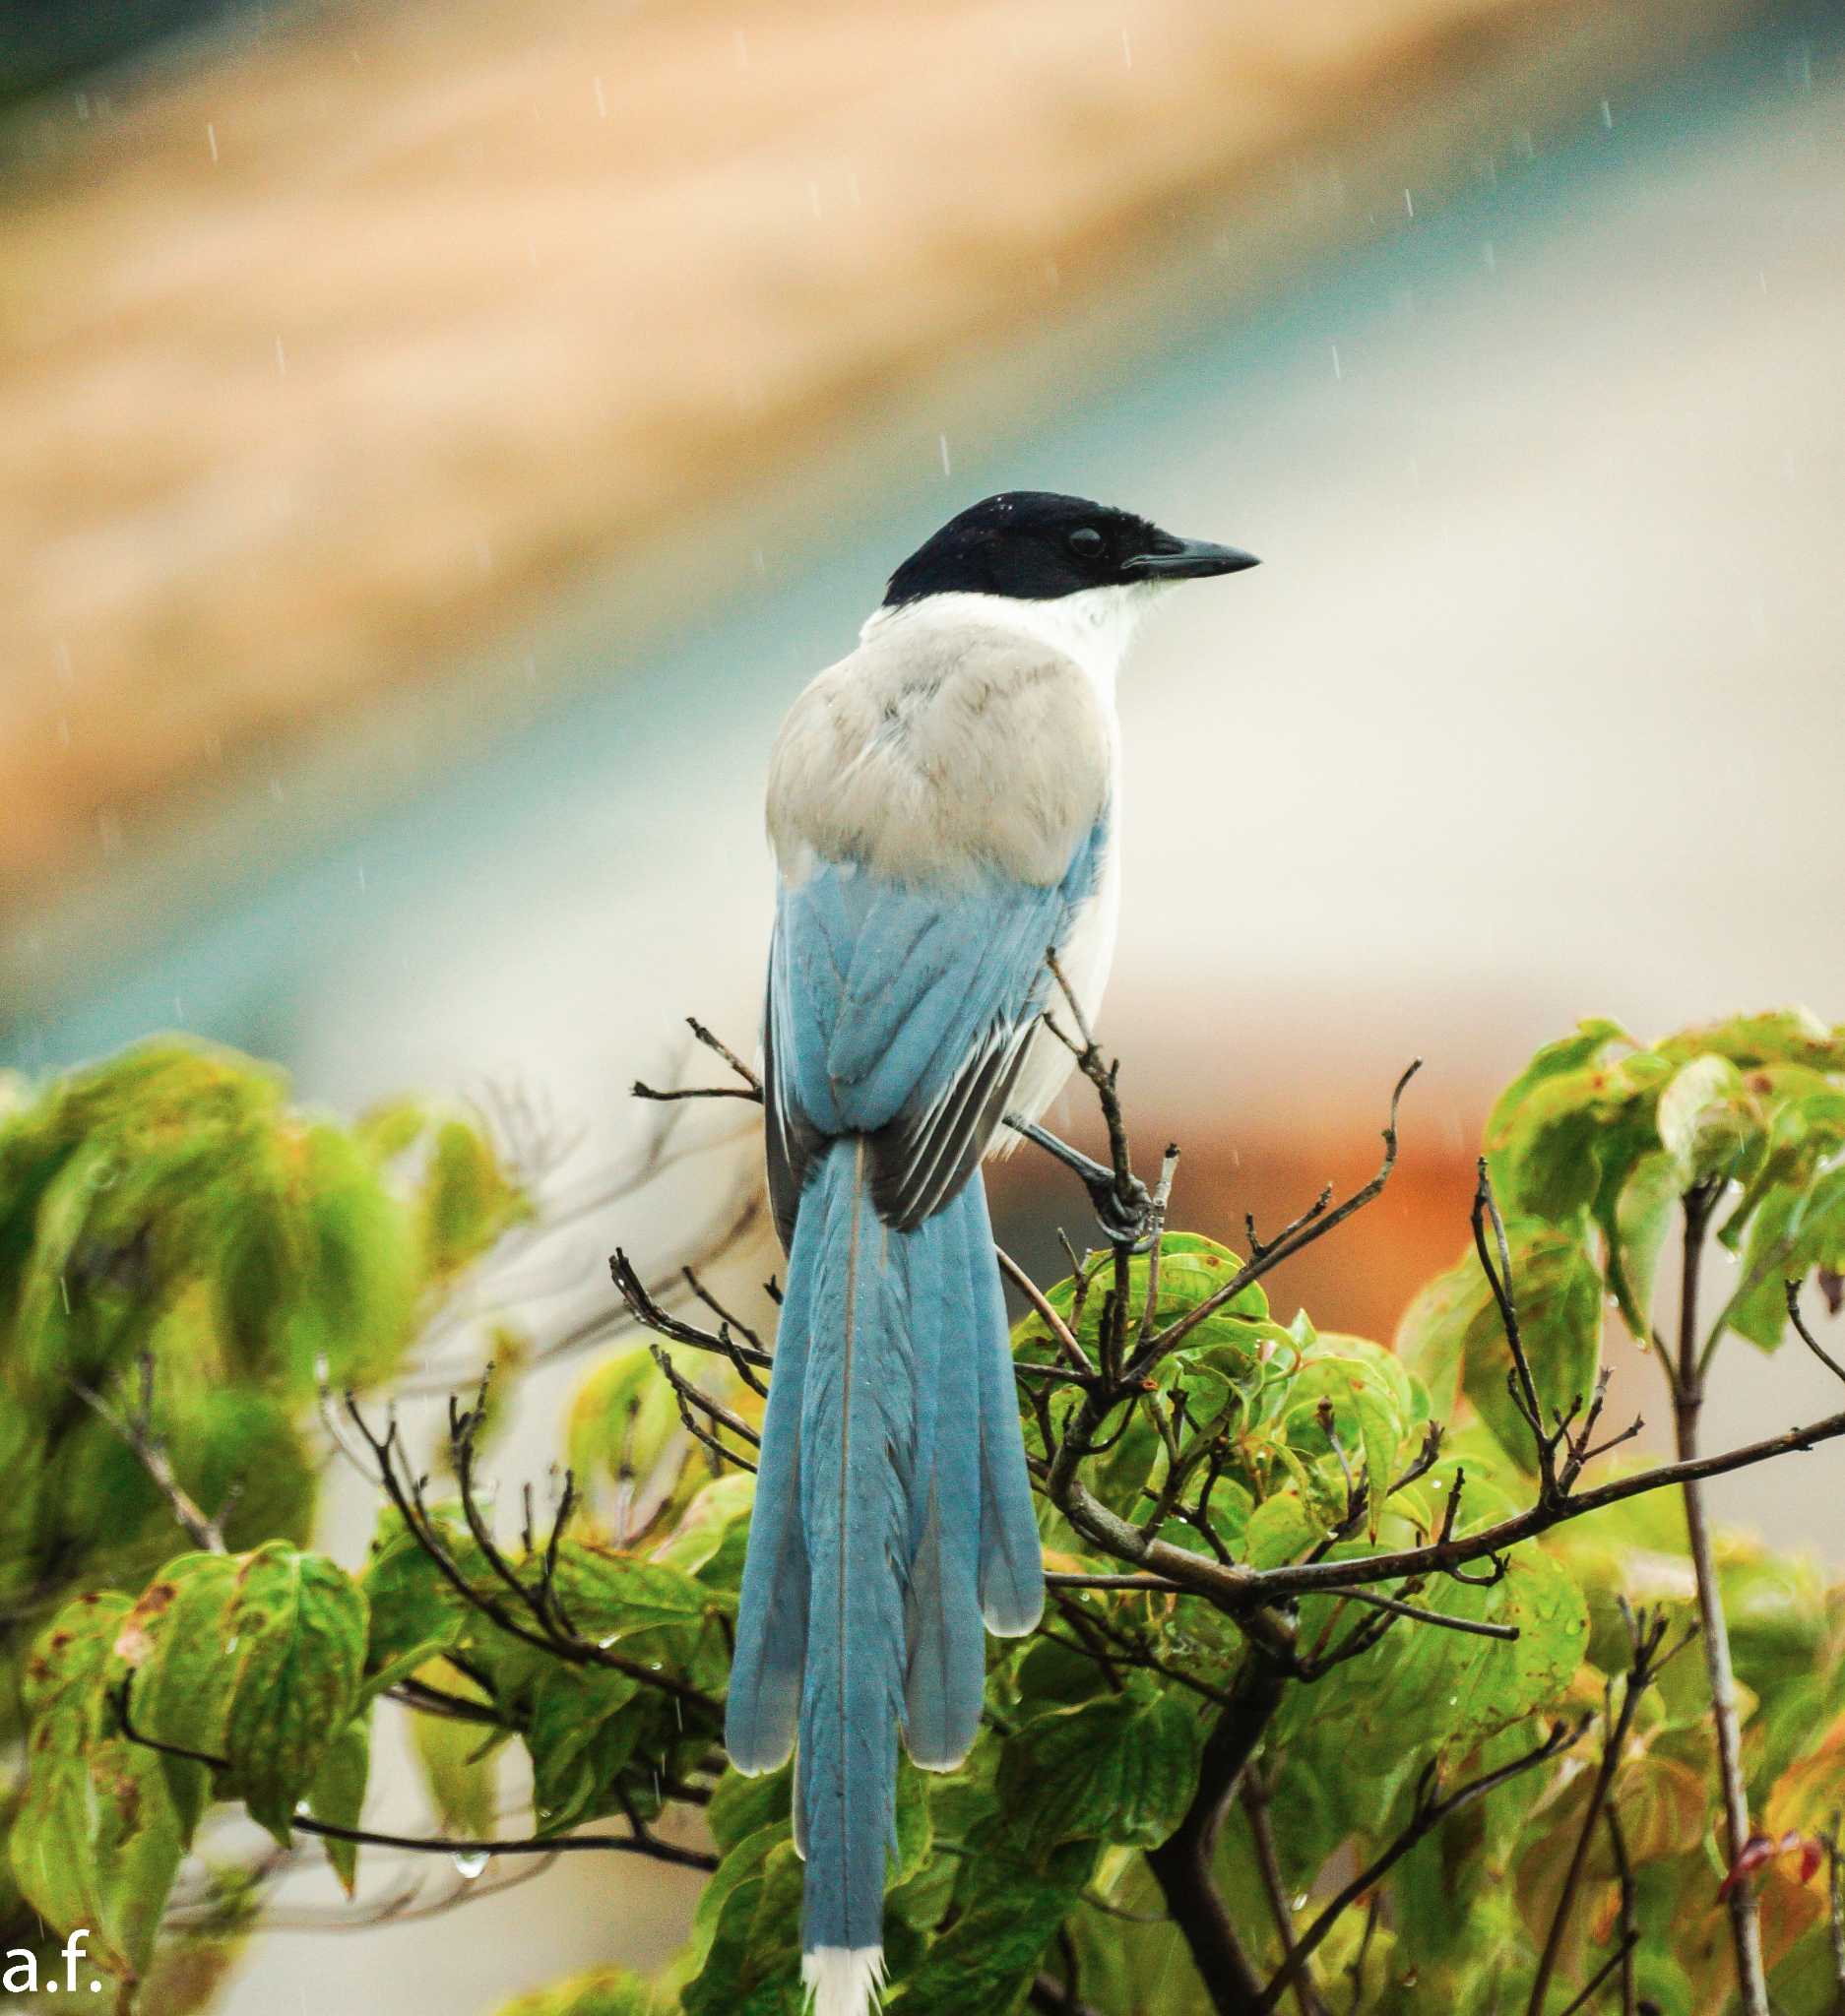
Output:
(893, 1512)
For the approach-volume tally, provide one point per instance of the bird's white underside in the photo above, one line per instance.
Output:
(1093, 629)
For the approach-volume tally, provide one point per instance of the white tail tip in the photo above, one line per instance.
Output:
(843, 1980)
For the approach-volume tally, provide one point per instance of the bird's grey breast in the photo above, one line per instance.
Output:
(935, 752)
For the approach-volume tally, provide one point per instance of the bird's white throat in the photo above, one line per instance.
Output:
(1094, 626)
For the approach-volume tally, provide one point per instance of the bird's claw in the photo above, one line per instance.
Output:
(1125, 1221)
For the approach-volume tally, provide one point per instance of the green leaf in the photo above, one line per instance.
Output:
(1446, 1687)
(614, 1598)
(459, 1759)
(412, 1606)
(1783, 1035)
(1705, 1119)
(1793, 1231)
(1121, 1768)
(732, 1946)
(623, 1418)
(580, 1737)
(608, 1992)
(338, 1795)
(742, 1805)
(95, 1842)
(712, 1532)
(1575, 1120)
(1365, 1402)
(1644, 1208)
(296, 1643)
(172, 1641)
(1006, 1919)
(466, 1201)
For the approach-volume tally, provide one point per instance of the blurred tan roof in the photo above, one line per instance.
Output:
(324, 359)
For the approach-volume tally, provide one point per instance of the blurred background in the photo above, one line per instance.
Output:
(437, 443)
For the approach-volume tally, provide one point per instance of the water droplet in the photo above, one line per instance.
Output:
(472, 1863)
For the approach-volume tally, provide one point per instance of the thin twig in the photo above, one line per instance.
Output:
(1648, 1635)
(1268, 1866)
(1806, 1337)
(137, 1430)
(642, 1842)
(1063, 1335)
(1429, 1812)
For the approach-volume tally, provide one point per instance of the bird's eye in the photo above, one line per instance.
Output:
(1086, 543)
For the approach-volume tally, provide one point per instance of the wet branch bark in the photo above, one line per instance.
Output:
(1181, 1865)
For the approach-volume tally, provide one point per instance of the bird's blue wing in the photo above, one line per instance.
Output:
(900, 1010)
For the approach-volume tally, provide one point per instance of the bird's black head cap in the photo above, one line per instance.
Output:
(1035, 546)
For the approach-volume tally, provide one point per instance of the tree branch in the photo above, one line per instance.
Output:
(1181, 1865)
(1688, 1401)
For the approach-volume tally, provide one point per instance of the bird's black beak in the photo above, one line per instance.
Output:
(1174, 559)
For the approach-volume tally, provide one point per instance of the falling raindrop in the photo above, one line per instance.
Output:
(1409, 204)
(472, 1863)
(601, 103)
(948, 467)
(1338, 368)
(210, 141)
(1607, 115)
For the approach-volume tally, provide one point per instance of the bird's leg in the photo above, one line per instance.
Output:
(1124, 1219)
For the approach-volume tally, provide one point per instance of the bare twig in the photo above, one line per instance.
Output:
(646, 1311)
(1319, 1225)
(534, 1617)
(1806, 1337)
(1648, 1636)
(1430, 1810)
(1062, 1334)
(750, 1088)
(1621, 1956)
(641, 1843)
(1629, 1912)
(137, 1430)
(693, 1402)
(1254, 1797)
